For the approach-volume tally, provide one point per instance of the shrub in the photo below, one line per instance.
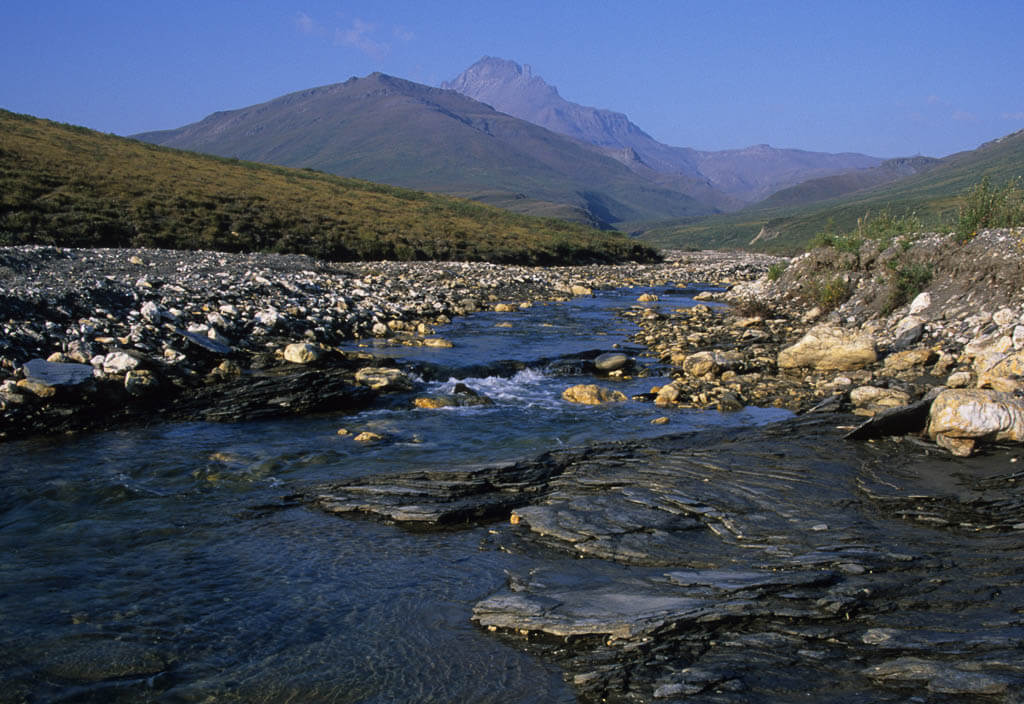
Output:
(828, 294)
(775, 271)
(908, 280)
(986, 205)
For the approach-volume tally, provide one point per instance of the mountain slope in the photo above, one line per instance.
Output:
(743, 175)
(933, 194)
(394, 131)
(73, 187)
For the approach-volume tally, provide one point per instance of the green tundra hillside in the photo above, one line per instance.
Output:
(71, 186)
(788, 221)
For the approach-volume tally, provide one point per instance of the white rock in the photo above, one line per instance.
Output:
(150, 312)
(1004, 317)
(118, 363)
(920, 303)
(302, 353)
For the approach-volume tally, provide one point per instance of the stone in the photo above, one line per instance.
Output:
(37, 388)
(140, 382)
(384, 379)
(268, 317)
(150, 312)
(611, 361)
(829, 348)
(504, 308)
(437, 342)
(367, 437)
(302, 353)
(1005, 317)
(119, 362)
(908, 359)
(921, 303)
(380, 330)
(668, 395)
(647, 298)
(959, 380)
(875, 397)
(581, 290)
(707, 362)
(592, 395)
(58, 373)
(959, 418)
(908, 331)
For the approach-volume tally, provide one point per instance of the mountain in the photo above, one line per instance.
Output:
(390, 130)
(743, 175)
(70, 186)
(787, 222)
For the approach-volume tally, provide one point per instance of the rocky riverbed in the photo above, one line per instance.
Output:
(100, 338)
(772, 564)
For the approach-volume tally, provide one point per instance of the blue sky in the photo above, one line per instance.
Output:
(883, 78)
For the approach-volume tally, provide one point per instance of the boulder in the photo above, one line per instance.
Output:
(647, 298)
(592, 395)
(610, 361)
(302, 353)
(383, 379)
(874, 398)
(830, 348)
(959, 418)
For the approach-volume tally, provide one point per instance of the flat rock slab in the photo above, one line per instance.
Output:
(423, 499)
(58, 373)
(623, 609)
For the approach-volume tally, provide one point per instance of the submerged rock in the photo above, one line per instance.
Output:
(592, 395)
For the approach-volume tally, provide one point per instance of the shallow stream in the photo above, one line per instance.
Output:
(156, 564)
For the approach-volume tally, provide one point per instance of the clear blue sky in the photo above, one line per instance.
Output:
(887, 78)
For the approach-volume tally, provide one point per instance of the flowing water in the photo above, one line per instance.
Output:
(136, 566)
(156, 564)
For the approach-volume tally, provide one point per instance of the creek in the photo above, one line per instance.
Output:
(163, 564)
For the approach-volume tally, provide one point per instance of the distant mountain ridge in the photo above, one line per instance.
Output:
(386, 129)
(746, 175)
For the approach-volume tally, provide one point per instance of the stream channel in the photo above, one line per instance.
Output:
(162, 564)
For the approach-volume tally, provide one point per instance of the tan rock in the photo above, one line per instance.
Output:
(961, 417)
(581, 290)
(37, 388)
(592, 395)
(875, 398)
(367, 437)
(432, 402)
(908, 359)
(437, 342)
(302, 353)
(826, 347)
(383, 379)
(504, 308)
(668, 395)
(959, 380)
(647, 298)
(663, 420)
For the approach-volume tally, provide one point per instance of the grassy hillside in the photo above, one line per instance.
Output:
(933, 196)
(71, 186)
(389, 130)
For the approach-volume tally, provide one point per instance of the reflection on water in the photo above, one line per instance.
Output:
(137, 565)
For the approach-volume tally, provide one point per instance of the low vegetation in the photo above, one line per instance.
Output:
(70, 186)
(988, 206)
